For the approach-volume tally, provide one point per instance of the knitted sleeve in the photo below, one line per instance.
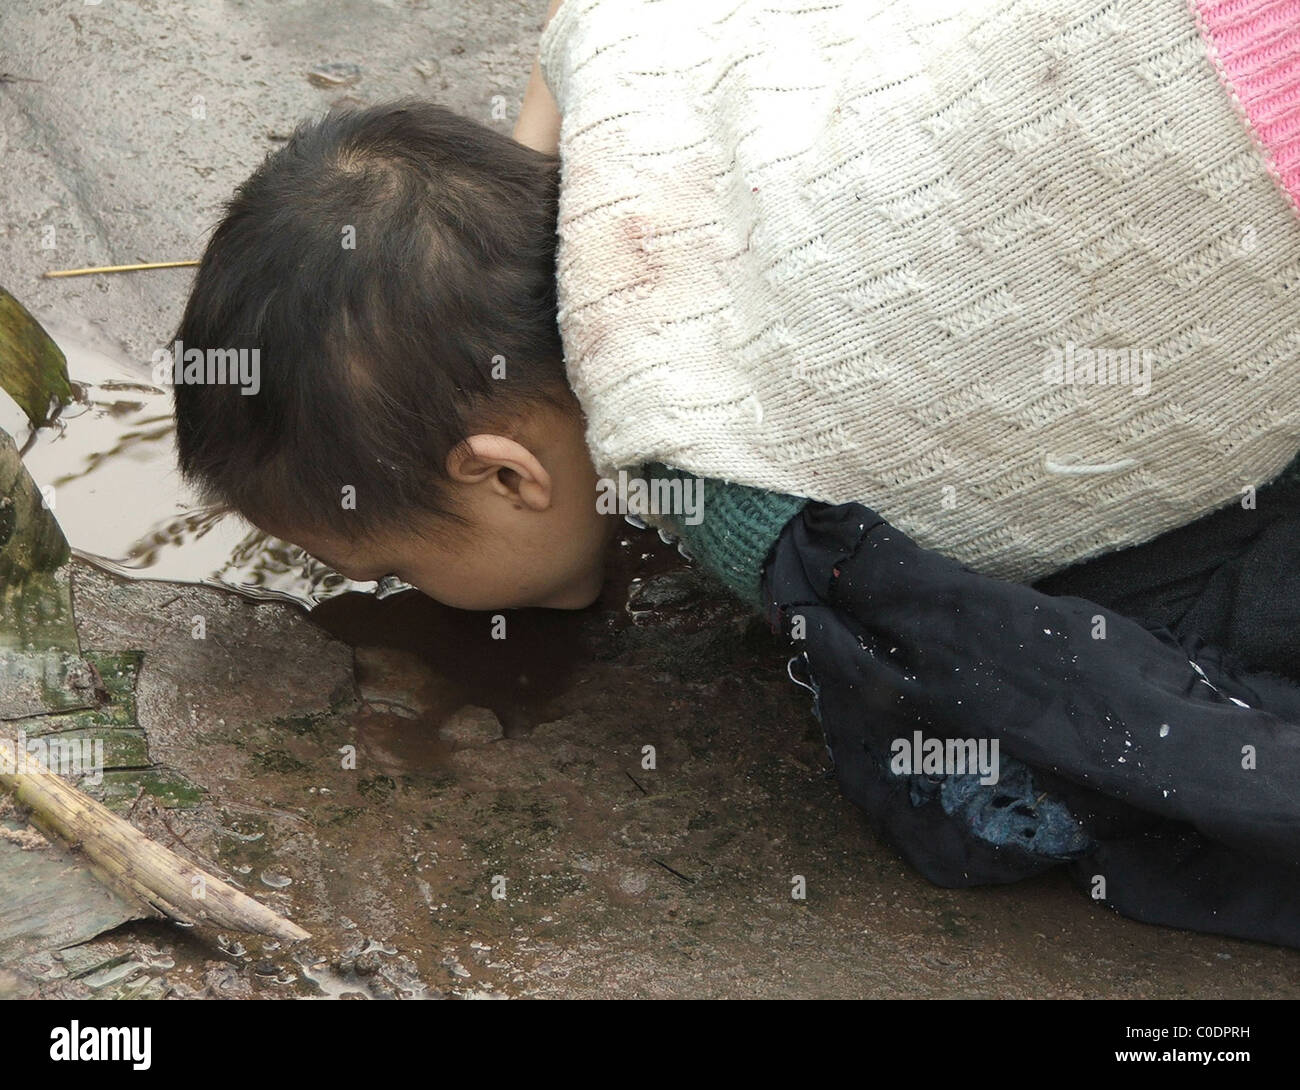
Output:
(1013, 274)
(733, 530)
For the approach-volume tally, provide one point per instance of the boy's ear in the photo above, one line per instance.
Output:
(507, 468)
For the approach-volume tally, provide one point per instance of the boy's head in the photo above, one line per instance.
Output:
(394, 267)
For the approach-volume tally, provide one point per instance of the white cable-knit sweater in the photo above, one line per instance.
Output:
(851, 250)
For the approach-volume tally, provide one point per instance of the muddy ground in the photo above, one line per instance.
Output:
(499, 834)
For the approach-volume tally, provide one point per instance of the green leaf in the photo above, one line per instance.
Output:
(33, 371)
(30, 538)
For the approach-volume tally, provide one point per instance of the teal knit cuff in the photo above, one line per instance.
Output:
(735, 528)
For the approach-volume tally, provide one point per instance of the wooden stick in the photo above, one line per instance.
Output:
(128, 861)
(119, 268)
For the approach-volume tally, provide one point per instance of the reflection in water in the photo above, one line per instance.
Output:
(117, 495)
(111, 464)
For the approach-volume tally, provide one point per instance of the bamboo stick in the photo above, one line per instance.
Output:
(52, 273)
(129, 862)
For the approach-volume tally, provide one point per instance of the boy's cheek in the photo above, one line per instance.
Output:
(554, 568)
(473, 591)
(576, 597)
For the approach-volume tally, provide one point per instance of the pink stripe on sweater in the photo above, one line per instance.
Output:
(1255, 45)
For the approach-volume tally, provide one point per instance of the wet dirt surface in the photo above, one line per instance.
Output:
(493, 829)
(456, 856)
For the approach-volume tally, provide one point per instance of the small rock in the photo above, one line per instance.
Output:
(471, 726)
(335, 74)
(679, 588)
(114, 974)
(634, 882)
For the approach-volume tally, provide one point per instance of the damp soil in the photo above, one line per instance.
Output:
(501, 831)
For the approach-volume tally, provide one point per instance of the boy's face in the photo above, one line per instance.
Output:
(535, 537)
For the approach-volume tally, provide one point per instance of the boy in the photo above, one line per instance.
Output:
(396, 268)
(414, 418)
(371, 370)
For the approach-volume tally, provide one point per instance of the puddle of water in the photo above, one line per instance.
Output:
(518, 677)
(118, 496)
(110, 460)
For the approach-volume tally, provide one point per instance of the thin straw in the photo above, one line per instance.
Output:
(119, 268)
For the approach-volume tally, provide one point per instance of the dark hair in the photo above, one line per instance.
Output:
(375, 361)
